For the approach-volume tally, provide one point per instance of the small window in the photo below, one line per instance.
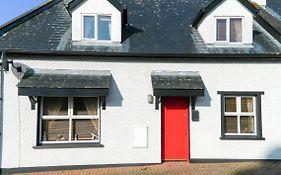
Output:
(69, 119)
(97, 27)
(221, 30)
(89, 27)
(104, 29)
(241, 115)
(235, 30)
(229, 30)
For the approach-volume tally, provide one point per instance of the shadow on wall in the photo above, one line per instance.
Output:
(114, 97)
(267, 167)
(204, 101)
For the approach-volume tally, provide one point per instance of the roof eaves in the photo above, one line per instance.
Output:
(208, 56)
(73, 4)
(26, 16)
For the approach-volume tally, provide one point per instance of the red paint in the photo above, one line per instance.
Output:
(175, 135)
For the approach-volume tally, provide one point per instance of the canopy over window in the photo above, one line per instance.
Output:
(177, 83)
(62, 83)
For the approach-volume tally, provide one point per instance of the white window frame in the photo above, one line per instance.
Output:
(96, 27)
(70, 117)
(238, 113)
(227, 41)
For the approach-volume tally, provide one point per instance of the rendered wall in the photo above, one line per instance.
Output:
(127, 107)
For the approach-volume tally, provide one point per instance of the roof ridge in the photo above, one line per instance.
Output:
(27, 15)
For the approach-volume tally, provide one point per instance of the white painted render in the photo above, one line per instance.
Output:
(228, 8)
(128, 108)
(260, 2)
(96, 7)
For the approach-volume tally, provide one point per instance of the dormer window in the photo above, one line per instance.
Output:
(226, 24)
(229, 30)
(97, 22)
(97, 27)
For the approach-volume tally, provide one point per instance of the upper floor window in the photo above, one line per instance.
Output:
(229, 30)
(97, 27)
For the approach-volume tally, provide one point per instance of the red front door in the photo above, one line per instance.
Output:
(175, 136)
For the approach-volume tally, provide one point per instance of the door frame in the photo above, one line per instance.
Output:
(189, 113)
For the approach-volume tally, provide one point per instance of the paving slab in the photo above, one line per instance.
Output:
(179, 168)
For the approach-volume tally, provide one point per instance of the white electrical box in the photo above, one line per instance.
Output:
(140, 137)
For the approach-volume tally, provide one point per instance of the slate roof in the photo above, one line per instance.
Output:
(155, 26)
(176, 80)
(60, 79)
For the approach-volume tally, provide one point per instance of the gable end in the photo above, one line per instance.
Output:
(75, 3)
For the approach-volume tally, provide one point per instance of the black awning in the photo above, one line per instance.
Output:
(177, 83)
(62, 83)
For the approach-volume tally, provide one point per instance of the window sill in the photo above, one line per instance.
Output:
(245, 137)
(68, 145)
(97, 43)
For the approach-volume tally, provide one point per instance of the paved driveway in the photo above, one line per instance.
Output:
(180, 168)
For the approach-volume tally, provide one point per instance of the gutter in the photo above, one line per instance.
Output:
(50, 55)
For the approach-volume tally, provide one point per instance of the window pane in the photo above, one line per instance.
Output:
(246, 104)
(230, 104)
(85, 129)
(89, 27)
(104, 27)
(55, 130)
(230, 124)
(85, 106)
(247, 124)
(55, 106)
(221, 29)
(235, 30)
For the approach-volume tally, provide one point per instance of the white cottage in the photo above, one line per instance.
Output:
(106, 82)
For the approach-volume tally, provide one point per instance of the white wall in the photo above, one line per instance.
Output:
(229, 8)
(96, 7)
(260, 2)
(127, 107)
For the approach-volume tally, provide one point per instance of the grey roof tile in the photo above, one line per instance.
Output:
(155, 26)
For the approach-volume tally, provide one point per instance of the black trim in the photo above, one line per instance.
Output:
(144, 57)
(241, 93)
(69, 167)
(241, 137)
(178, 92)
(157, 101)
(257, 94)
(47, 92)
(67, 145)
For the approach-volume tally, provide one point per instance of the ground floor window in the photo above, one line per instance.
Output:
(241, 115)
(69, 119)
